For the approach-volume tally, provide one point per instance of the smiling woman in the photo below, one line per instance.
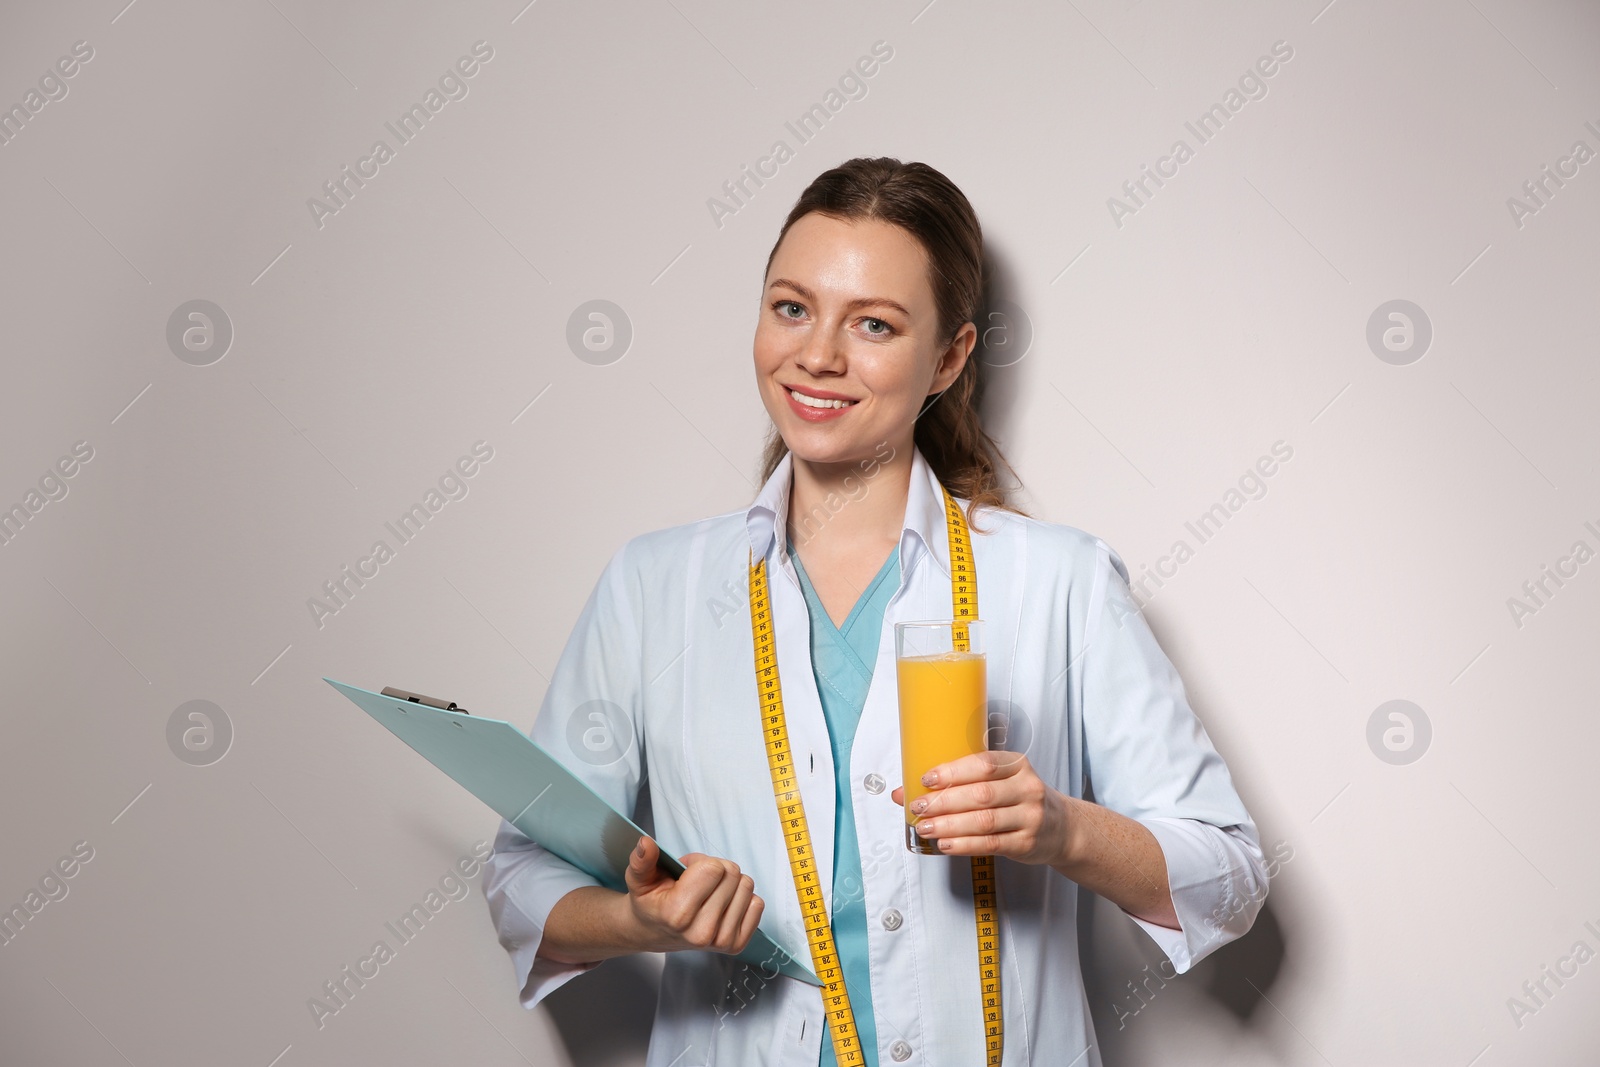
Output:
(776, 747)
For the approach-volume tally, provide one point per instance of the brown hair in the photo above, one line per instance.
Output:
(928, 206)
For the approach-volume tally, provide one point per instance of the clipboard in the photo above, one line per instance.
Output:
(507, 770)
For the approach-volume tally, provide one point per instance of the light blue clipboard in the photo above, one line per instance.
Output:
(504, 768)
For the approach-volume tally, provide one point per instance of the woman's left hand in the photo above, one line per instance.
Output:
(992, 803)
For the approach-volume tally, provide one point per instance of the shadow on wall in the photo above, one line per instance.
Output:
(604, 1017)
(1005, 345)
(1131, 988)
(1129, 982)
(1125, 975)
(1256, 959)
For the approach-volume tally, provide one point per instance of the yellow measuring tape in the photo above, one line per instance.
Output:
(792, 815)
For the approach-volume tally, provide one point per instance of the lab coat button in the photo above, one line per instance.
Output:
(891, 921)
(900, 1051)
(873, 782)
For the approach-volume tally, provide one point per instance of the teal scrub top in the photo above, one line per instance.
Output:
(842, 658)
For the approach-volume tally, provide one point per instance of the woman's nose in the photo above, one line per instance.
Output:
(823, 353)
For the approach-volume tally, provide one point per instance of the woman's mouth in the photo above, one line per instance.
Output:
(817, 408)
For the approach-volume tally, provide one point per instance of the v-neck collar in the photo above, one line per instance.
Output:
(842, 630)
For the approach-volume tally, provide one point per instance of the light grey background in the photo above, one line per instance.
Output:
(1228, 312)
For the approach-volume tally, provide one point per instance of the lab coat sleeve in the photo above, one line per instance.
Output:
(1148, 757)
(591, 722)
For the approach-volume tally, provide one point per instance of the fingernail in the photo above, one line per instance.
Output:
(920, 804)
(931, 778)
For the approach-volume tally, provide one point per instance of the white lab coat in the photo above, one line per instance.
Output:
(656, 685)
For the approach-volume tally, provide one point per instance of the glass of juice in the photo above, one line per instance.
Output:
(943, 704)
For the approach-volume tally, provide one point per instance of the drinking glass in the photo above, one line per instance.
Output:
(943, 680)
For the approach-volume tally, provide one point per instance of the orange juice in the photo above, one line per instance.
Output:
(943, 714)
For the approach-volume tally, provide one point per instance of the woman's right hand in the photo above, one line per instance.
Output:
(710, 906)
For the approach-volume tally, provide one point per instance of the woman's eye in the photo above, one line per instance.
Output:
(783, 304)
(877, 327)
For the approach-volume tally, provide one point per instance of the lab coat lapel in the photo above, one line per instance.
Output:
(766, 521)
(924, 594)
(803, 717)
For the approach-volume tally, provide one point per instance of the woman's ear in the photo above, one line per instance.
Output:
(954, 358)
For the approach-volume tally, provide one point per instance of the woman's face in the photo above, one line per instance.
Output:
(847, 349)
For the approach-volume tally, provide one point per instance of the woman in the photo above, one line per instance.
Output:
(863, 360)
